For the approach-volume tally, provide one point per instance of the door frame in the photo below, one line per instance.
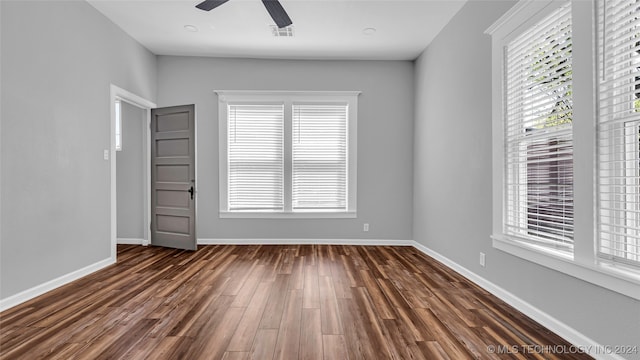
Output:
(117, 93)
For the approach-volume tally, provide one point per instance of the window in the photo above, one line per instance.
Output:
(118, 113)
(287, 154)
(319, 155)
(566, 158)
(537, 133)
(619, 131)
(255, 157)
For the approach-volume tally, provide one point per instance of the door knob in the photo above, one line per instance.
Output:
(191, 192)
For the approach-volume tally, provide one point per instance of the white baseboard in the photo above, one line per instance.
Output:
(132, 241)
(38, 290)
(298, 241)
(568, 333)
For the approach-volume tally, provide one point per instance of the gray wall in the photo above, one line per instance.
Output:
(385, 126)
(452, 183)
(130, 172)
(58, 59)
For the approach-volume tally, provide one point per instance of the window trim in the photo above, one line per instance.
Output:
(604, 122)
(288, 98)
(584, 263)
(606, 274)
(517, 20)
(528, 152)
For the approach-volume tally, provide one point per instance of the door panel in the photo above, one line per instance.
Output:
(172, 147)
(172, 173)
(173, 200)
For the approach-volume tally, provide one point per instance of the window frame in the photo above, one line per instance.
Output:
(522, 143)
(288, 99)
(584, 263)
(629, 126)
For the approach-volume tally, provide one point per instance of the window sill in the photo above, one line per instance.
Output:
(288, 215)
(609, 276)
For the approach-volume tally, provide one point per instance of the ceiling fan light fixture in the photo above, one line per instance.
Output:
(274, 8)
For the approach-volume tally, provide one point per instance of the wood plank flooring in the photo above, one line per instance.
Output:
(272, 302)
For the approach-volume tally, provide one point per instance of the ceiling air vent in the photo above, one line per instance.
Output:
(286, 31)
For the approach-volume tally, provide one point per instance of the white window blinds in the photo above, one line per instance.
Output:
(287, 154)
(255, 157)
(538, 133)
(619, 130)
(319, 157)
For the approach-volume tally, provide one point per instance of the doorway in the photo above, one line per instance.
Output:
(168, 171)
(134, 101)
(131, 173)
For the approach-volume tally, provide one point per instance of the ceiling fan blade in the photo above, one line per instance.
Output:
(277, 13)
(210, 4)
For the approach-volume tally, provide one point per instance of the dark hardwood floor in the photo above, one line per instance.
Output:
(272, 302)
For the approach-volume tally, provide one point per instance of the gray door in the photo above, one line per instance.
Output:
(173, 175)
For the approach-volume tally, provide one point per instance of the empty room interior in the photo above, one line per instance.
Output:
(304, 179)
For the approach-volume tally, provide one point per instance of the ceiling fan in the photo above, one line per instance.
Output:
(274, 8)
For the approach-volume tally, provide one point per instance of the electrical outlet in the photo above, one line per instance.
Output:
(482, 259)
(105, 154)
(365, 227)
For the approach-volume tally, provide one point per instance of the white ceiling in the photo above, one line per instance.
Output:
(324, 29)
